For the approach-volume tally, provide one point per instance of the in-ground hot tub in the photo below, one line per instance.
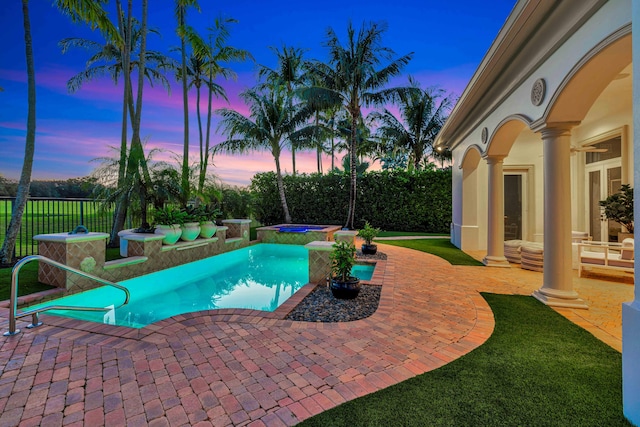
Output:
(296, 234)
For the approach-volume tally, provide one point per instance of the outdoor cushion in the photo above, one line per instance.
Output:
(626, 243)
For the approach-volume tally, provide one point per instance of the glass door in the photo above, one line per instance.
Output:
(602, 181)
(514, 199)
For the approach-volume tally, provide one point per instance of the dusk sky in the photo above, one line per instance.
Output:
(448, 39)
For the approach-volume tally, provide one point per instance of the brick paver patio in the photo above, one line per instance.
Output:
(243, 367)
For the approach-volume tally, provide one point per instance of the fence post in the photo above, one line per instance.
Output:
(81, 212)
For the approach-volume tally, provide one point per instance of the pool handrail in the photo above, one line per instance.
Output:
(13, 309)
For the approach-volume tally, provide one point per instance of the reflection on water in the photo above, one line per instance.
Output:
(261, 277)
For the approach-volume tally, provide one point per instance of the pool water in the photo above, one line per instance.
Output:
(362, 271)
(259, 277)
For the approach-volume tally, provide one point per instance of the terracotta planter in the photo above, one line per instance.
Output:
(345, 290)
(208, 229)
(171, 233)
(369, 249)
(190, 231)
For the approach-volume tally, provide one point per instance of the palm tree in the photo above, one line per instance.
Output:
(218, 53)
(422, 117)
(290, 74)
(273, 121)
(185, 33)
(84, 10)
(351, 79)
(197, 75)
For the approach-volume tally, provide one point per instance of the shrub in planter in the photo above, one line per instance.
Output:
(619, 207)
(168, 221)
(207, 216)
(343, 258)
(368, 233)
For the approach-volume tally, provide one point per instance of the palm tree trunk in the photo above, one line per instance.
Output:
(293, 158)
(203, 175)
(283, 198)
(185, 101)
(6, 252)
(120, 213)
(136, 142)
(352, 187)
(202, 153)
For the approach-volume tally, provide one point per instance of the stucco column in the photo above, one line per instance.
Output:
(631, 310)
(557, 288)
(495, 227)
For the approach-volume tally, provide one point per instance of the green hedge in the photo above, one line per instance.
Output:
(392, 200)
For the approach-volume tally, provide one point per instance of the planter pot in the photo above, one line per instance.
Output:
(190, 231)
(369, 249)
(345, 290)
(208, 229)
(171, 233)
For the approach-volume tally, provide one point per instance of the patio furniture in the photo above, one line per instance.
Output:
(512, 250)
(606, 256)
(532, 256)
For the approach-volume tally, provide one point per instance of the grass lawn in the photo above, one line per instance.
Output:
(28, 280)
(537, 369)
(408, 233)
(439, 247)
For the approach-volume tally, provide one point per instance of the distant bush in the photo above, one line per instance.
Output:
(393, 200)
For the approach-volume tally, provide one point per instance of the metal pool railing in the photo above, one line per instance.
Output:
(13, 309)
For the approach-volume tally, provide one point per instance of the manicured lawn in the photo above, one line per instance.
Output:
(439, 247)
(407, 233)
(28, 279)
(537, 369)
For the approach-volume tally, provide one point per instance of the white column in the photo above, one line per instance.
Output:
(631, 310)
(557, 288)
(495, 221)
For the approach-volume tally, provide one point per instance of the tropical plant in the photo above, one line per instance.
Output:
(368, 233)
(79, 10)
(343, 258)
(170, 215)
(186, 34)
(422, 114)
(619, 207)
(271, 122)
(352, 79)
(217, 53)
(290, 74)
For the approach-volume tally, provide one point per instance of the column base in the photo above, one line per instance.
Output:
(559, 299)
(496, 261)
(630, 357)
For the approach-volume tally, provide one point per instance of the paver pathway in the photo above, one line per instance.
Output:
(241, 367)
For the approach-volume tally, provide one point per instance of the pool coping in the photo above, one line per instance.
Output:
(241, 315)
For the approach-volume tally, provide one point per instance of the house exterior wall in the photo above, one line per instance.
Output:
(610, 18)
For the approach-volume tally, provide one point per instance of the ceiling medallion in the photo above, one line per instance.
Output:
(538, 91)
(485, 135)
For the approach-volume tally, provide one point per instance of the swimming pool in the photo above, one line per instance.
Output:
(259, 277)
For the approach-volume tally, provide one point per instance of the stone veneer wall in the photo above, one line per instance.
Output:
(146, 254)
(275, 236)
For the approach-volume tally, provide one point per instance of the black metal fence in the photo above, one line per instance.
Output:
(53, 215)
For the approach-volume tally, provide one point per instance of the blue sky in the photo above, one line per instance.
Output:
(448, 39)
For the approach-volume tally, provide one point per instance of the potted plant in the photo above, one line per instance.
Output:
(190, 225)
(207, 217)
(368, 233)
(619, 207)
(343, 258)
(168, 220)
